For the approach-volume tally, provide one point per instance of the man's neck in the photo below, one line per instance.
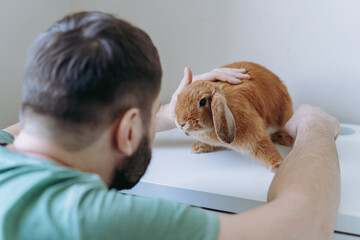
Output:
(96, 158)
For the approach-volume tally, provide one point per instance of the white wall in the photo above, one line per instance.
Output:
(20, 22)
(314, 46)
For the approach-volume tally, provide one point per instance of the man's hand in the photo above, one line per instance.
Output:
(307, 115)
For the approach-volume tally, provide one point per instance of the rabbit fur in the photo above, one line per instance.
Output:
(239, 117)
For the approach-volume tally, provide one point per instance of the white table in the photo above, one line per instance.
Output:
(231, 182)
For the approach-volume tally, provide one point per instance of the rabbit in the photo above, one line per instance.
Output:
(246, 117)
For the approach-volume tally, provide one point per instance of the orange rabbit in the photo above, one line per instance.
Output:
(239, 117)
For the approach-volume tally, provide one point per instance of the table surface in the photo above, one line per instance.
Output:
(228, 181)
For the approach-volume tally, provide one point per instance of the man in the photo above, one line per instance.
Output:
(90, 97)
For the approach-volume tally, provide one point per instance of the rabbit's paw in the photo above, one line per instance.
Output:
(274, 165)
(200, 147)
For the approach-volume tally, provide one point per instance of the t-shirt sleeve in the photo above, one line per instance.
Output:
(6, 138)
(121, 216)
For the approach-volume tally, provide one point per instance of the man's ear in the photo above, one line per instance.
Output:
(128, 132)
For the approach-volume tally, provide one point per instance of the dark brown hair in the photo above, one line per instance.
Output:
(86, 71)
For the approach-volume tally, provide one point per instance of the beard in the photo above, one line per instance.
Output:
(135, 167)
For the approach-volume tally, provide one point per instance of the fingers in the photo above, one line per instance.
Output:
(227, 78)
(230, 70)
(230, 75)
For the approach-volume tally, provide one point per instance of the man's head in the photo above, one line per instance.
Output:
(88, 72)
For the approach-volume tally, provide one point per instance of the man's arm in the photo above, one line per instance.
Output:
(304, 196)
(165, 118)
(13, 129)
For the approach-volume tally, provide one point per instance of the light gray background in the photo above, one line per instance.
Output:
(314, 46)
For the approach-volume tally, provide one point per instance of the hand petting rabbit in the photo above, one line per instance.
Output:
(245, 117)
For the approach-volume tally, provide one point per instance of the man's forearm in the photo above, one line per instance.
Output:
(164, 121)
(311, 171)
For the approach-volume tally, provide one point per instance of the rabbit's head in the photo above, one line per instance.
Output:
(201, 107)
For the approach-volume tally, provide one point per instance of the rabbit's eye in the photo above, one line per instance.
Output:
(202, 102)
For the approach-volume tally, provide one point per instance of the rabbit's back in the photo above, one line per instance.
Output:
(265, 92)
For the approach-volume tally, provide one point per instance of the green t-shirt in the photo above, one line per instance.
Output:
(40, 200)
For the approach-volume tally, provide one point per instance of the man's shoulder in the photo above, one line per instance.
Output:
(54, 197)
(26, 178)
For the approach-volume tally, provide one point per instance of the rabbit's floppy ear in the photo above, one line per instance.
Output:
(223, 119)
